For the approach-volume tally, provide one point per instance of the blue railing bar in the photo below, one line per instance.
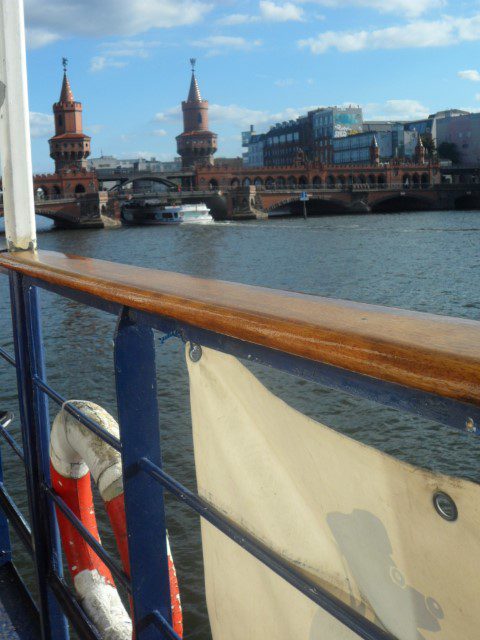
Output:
(70, 606)
(16, 519)
(76, 413)
(7, 356)
(16, 448)
(335, 607)
(89, 539)
(158, 620)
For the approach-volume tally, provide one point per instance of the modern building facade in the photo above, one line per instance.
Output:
(309, 137)
(197, 144)
(356, 149)
(152, 165)
(464, 132)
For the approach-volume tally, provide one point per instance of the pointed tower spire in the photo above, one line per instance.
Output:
(194, 93)
(66, 94)
(197, 144)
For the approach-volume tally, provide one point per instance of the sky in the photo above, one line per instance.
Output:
(258, 62)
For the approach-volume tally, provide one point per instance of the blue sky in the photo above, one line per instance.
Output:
(258, 62)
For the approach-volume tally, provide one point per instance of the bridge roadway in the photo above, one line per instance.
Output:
(83, 211)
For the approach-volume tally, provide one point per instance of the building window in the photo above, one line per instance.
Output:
(199, 118)
(59, 120)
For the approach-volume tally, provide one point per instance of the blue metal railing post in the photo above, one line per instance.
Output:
(5, 546)
(35, 435)
(135, 374)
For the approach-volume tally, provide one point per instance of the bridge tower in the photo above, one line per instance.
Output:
(374, 151)
(420, 151)
(197, 144)
(69, 147)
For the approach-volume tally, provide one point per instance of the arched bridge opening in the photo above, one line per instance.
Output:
(467, 202)
(144, 183)
(397, 204)
(314, 207)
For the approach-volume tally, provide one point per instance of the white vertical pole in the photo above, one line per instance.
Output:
(16, 155)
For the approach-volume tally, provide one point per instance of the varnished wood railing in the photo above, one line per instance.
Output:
(432, 353)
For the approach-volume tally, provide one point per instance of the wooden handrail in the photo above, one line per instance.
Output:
(433, 353)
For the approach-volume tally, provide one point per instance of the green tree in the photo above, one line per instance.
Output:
(449, 151)
(428, 143)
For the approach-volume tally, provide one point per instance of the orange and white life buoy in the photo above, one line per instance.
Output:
(75, 453)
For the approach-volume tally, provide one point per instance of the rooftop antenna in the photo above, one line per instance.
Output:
(64, 64)
(193, 62)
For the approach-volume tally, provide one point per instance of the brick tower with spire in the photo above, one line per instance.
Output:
(197, 144)
(69, 147)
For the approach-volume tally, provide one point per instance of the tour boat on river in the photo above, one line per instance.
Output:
(150, 212)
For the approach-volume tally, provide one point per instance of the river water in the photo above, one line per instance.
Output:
(423, 261)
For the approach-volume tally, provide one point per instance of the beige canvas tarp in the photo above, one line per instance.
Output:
(353, 519)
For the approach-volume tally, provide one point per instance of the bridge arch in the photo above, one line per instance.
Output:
(342, 181)
(235, 183)
(415, 180)
(280, 182)
(292, 181)
(467, 202)
(269, 182)
(258, 182)
(362, 178)
(317, 182)
(372, 179)
(406, 180)
(397, 203)
(315, 206)
(213, 184)
(56, 190)
(79, 188)
(246, 182)
(330, 181)
(130, 179)
(302, 181)
(382, 179)
(425, 180)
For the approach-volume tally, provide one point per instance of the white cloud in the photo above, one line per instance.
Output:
(422, 33)
(99, 63)
(41, 124)
(410, 8)
(237, 18)
(112, 51)
(469, 74)
(237, 115)
(269, 12)
(284, 82)
(94, 128)
(37, 38)
(50, 20)
(280, 12)
(173, 113)
(220, 44)
(160, 133)
(395, 110)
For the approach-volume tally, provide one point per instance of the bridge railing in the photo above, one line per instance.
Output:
(415, 362)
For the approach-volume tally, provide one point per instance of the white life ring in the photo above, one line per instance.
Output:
(75, 452)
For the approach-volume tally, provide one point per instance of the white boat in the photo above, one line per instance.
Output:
(193, 212)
